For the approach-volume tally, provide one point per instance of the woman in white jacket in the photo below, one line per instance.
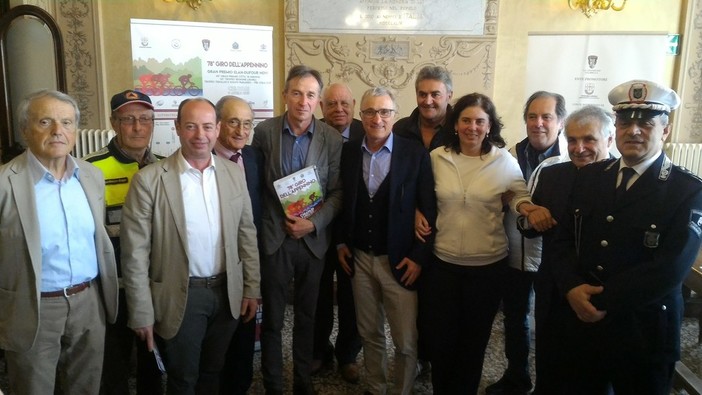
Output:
(472, 173)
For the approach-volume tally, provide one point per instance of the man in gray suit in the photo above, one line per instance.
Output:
(190, 270)
(58, 280)
(295, 247)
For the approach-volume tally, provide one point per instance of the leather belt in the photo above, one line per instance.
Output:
(208, 282)
(68, 291)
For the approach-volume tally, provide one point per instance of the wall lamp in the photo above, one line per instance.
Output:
(590, 7)
(194, 4)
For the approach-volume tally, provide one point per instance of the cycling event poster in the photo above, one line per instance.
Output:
(174, 60)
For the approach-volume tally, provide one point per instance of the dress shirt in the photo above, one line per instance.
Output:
(224, 152)
(294, 148)
(66, 225)
(346, 134)
(639, 169)
(202, 219)
(376, 165)
(534, 158)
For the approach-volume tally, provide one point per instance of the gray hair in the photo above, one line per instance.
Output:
(591, 113)
(560, 103)
(437, 73)
(23, 107)
(224, 99)
(380, 91)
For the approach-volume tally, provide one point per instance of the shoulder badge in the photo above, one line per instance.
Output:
(695, 223)
(665, 169)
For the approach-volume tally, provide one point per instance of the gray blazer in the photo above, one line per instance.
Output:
(153, 236)
(325, 153)
(20, 251)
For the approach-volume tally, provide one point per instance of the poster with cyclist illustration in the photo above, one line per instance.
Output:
(174, 60)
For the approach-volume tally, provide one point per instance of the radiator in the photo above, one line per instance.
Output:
(688, 155)
(91, 140)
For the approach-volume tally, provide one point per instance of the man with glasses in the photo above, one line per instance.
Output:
(132, 119)
(236, 123)
(384, 179)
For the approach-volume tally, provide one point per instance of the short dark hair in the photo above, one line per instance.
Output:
(303, 71)
(560, 103)
(493, 138)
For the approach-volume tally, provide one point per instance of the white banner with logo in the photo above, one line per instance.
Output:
(584, 68)
(174, 60)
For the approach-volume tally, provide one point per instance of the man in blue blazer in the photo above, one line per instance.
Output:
(236, 123)
(295, 247)
(385, 178)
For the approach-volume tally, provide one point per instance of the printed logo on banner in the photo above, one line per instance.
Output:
(263, 48)
(235, 45)
(206, 44)
(144, 42)
(175, 43)
(592, 61)
(589, 88)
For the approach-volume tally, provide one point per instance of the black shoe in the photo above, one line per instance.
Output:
(505, 386)
(304, 389)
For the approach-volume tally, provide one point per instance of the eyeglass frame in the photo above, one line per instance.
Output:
(370, 113)
(130, 120)
(236, 122)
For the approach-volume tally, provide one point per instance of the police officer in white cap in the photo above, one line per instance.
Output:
(622, 253)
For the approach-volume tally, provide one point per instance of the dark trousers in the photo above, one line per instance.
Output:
(591, 364)
(465, 300)
(348, 342)
(292, 260)
(237, 373)
(119, 342)
(195, 356)
(516, 292)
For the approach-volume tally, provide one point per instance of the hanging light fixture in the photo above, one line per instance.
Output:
(194, 4)
(590, 7)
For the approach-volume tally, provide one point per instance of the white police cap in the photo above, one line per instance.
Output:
(641, 95)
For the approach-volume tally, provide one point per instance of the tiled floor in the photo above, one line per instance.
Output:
(328, 382)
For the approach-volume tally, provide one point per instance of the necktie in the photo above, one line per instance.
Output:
(235, 158)
(627, 173)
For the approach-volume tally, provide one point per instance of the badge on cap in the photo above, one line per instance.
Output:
(637, 92)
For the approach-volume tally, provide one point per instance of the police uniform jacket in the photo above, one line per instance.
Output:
(639, 249)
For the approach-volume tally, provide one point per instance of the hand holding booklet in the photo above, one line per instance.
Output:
(300, 193)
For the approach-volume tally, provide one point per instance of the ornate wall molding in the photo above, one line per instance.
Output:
(393, 60)
(689, 115)
(76, 20)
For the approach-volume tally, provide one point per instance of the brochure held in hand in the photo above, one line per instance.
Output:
(300, 193)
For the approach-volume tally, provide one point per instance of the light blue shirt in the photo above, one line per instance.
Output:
(376, 165)
(66, 225)
(293, 149)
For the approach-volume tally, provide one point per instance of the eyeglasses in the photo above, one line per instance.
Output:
(383, 112)
(128, 121)
(235, 123)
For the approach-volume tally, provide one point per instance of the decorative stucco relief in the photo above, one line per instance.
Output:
(75, 19)
(393, 61)
(692, 105)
